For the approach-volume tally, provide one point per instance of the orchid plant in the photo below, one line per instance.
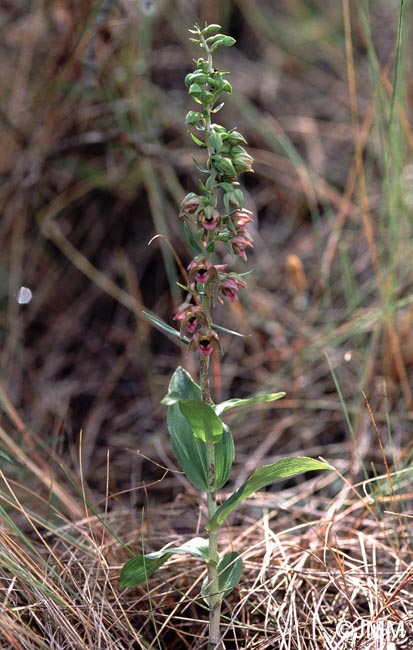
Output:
(214, 220)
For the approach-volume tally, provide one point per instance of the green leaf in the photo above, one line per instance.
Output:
(141, 567)
(224, 457)
(197, 141)
(227, 187)
(198, 166)
(182, 386)
(227, 331)
(256, 399)
(229, 572)
(218, 108)
(263, 476)
(189, 450)
(202, 419)
(161, 325)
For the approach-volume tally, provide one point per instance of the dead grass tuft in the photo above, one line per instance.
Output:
(317, 573)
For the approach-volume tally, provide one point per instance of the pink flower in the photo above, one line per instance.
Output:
(240, 243)
(190, 204)
(230, 286)
(202, 270)
(210, 221)
(192, 325)
(240, 218)
(205, 347)
(205, 343)
(192, 318)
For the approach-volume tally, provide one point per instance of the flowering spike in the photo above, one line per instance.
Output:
(216, 215)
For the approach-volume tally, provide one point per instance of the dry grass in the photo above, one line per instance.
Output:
(94, 161)
(315, 572)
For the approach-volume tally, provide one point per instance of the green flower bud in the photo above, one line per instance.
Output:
(215, 141)
(234, 138)
(194, 117)
(223, 166)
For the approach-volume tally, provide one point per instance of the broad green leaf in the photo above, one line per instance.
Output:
(141, 567)
(189, 450)
(229, 572)
(182, 386)
(263, 476)
(256, 399)
(161, 325)
(202, 419)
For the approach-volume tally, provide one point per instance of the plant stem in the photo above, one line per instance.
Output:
(214, 597)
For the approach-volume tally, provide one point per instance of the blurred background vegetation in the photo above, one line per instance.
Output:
(95, 159)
